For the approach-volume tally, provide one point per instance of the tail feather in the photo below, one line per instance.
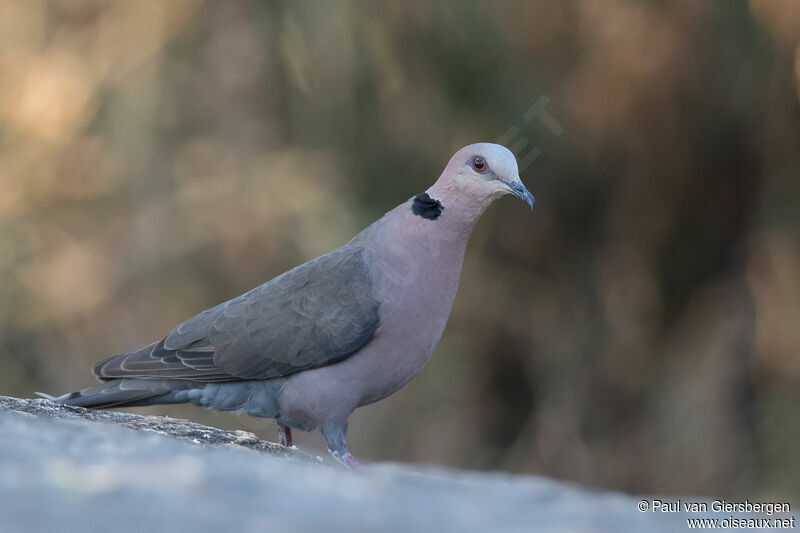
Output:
(57, 399)
(254, 397)
(120, 393)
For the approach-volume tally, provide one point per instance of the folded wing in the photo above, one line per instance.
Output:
(314, 315)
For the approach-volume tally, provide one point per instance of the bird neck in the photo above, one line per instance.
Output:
(459, 213)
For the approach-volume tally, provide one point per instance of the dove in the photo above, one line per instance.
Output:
(339, 332)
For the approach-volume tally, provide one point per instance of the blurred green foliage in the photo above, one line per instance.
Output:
(640, 331)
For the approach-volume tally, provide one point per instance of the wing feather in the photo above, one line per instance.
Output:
(313, 315)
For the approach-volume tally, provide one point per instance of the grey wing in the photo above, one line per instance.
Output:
(314, 315)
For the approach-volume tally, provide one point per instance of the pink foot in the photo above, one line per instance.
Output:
(351, 463)
(284, 435)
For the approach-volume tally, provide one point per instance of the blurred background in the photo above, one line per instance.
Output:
(639, 331)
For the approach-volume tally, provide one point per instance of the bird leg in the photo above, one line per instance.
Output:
(284, 435)
(334, 438)
(350, 462)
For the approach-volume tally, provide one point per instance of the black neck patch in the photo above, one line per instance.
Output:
(426, 207)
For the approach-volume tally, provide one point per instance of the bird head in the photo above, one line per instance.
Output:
(486, 171)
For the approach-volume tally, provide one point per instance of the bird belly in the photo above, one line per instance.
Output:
(416, 279)
(410, 330)
(331, 393)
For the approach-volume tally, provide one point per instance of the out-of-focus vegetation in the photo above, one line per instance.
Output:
(641, 330)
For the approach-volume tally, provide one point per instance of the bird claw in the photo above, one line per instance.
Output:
(351, 463)
(348, 461)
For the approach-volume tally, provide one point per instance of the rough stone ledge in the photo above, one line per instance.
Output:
(172, 427)
(74, 470)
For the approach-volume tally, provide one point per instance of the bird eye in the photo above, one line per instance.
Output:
(479, 164)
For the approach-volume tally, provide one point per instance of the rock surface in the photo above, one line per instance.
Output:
(173, 427)
(74, 470)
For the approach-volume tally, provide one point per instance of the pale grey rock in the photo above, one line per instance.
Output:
(74, 470)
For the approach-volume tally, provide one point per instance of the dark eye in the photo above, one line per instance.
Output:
(479, 164)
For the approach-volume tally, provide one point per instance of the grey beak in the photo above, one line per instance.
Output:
(519, 190)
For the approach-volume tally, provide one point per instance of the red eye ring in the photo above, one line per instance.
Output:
(479, 164)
